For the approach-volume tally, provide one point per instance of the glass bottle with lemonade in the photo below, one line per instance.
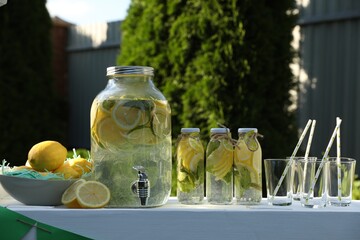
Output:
(190, 167)
(131, 138)
(219, 167)
(247, 167)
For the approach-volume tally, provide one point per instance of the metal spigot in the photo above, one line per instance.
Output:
(141, 187)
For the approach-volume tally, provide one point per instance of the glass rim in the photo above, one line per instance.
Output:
(299, 158)
(342, 159)
(277, 159)
(317, 160)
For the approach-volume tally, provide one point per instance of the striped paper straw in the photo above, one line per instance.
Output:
(307, 152)
(291, 158)
(310, 139)
(338, 155)
(323, 160)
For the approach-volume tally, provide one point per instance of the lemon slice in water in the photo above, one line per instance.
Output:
(129, 114)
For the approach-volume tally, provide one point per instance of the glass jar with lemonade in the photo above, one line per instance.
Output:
(131, 138)
(219, 167)
(247, 167)
(190, 167)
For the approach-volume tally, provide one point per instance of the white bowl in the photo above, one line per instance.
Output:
(35, 191)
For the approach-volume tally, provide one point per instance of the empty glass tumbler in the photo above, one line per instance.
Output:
(340, 181)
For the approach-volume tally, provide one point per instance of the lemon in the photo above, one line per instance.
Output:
(128, 114)
(67, 171)
(97, 114)
(220, 161)
(69, 196)
(194, 162)
(242, 154)
(251, 160)
(161, 120)
(141, 136)
(196, 145)
(47, 156)
(256, 161)
(80, 165)
(191, 153)
(92, 194)
(109, 132)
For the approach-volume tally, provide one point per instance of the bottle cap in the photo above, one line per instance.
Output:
(245, 130)
(190, 130)
(219, 130)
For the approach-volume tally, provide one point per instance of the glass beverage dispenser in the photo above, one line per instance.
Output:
(131, 138)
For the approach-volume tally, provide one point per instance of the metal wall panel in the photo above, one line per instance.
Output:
(330, 73)
(91, 49)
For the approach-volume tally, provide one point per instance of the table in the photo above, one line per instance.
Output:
(176, 221)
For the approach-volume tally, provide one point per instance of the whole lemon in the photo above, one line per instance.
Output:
(81, 165)
(67, 171)
(47, 156)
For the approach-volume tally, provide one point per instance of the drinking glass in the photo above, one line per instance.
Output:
(312, 196)
(347, 167)
(274, 169)
(296, 188)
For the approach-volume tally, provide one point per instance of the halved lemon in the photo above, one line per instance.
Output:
(69, 196)
(92, 194)
(129, 114)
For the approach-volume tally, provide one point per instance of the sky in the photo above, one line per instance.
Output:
(82, 12)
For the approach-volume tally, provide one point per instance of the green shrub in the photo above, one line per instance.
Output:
(356, 189)
(219, 61)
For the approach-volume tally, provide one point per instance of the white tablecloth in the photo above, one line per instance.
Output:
(175, 221)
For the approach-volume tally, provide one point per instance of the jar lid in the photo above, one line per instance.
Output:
(129, 70)
(244, 130)
(219, 130)
(190, 130)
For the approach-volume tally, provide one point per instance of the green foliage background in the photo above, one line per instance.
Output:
(223, 61)
(29, 109)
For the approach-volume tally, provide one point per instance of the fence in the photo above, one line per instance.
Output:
(91, 49)
(330, 72)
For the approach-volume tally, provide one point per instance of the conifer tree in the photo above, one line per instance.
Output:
(223, 61)
(27, 102)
